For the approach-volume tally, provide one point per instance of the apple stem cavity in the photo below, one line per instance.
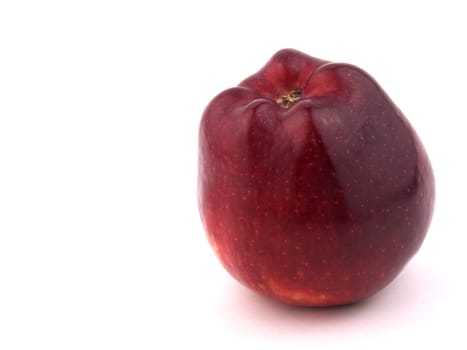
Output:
(289, 98)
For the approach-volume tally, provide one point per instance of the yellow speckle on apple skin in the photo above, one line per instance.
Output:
(299, 297)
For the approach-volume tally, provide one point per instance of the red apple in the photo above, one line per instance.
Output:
(313, 187)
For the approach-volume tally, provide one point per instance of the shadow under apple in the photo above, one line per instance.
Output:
(410, 297)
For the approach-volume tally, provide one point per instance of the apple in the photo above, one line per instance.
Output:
(313, 188)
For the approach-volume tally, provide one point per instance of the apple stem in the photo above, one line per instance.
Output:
(288, 98)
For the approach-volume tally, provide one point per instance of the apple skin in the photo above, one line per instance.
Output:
(318, 201)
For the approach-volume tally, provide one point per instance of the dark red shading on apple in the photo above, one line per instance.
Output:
(313, 187)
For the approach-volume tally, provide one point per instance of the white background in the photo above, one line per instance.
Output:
(101, 246)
